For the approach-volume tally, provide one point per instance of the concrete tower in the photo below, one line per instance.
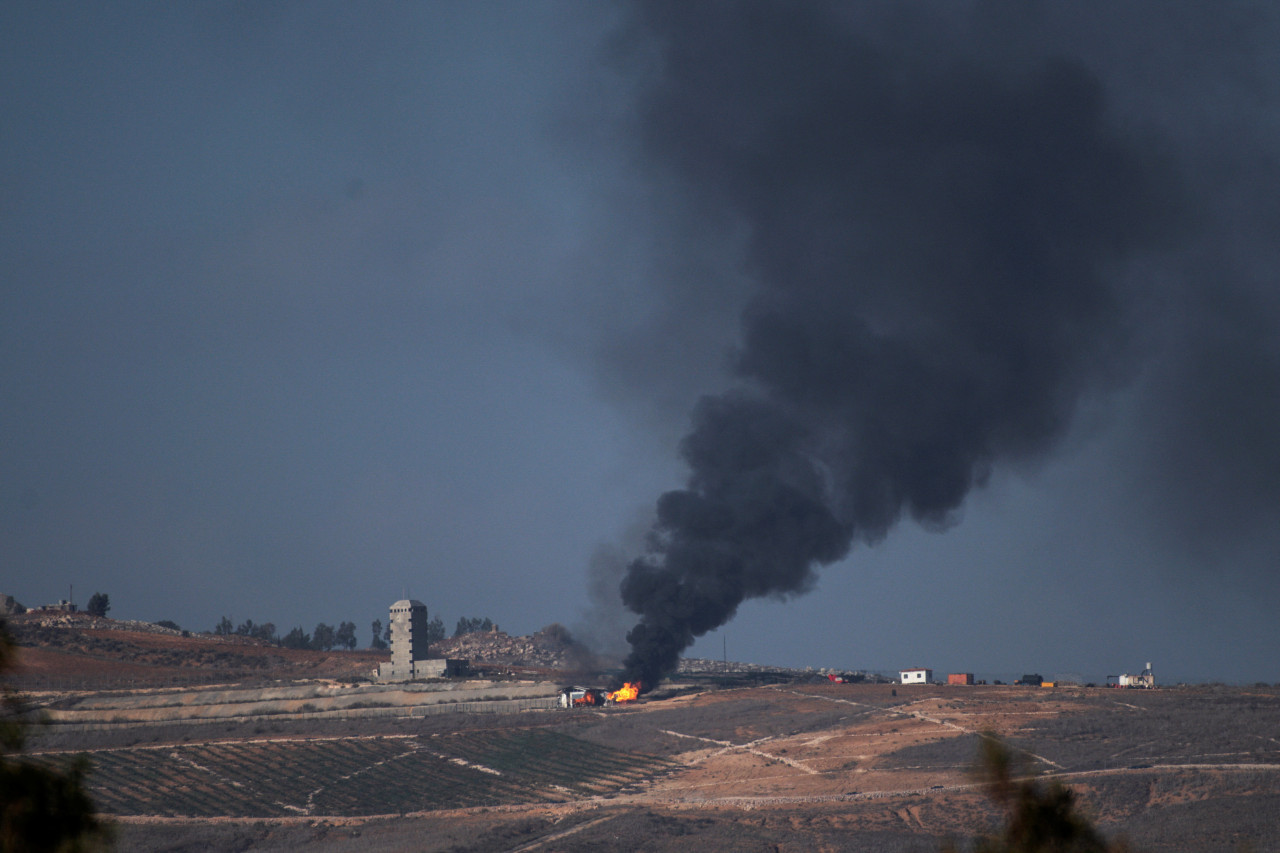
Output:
(409, 647)
(408, 619)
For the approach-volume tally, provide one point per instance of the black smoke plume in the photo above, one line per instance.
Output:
(940, 249)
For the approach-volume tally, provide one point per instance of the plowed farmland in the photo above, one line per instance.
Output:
(789, 766)
(208, 744)
(352, 776)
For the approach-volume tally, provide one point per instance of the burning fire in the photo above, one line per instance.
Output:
(628, 692)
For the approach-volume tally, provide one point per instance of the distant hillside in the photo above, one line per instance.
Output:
(60, 650)
(78, 651)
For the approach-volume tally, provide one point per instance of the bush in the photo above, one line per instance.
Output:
(1036, 818)
(43, 808)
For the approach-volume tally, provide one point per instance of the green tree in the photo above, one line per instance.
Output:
(472, 625)
(296, 639)
(345, 637)
(377, 642)
(224, 627)
(265, 631)
(41, 809)
(323, 637)
(99, 604)
(435, 631)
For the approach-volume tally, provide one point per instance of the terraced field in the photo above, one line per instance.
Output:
(787, 766)
(359, 776)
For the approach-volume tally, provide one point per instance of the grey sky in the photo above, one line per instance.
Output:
(307, 305)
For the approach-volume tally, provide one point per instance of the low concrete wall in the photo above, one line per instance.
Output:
(310, 701)
(497, 706)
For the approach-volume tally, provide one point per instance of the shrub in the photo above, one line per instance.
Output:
(1036, 818)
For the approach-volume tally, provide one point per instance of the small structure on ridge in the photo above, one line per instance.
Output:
(916, 675)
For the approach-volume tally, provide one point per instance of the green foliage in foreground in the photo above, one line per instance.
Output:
(1037, 818)
(41, 808)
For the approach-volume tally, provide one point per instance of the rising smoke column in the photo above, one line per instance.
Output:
(939, 249)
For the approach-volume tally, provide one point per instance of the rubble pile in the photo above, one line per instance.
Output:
(80, 619)
(550, 648)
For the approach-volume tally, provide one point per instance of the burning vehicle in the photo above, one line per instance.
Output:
(595, 697)
(628, 692)
(579, 697)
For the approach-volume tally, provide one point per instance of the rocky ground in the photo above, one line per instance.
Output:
(552, 648)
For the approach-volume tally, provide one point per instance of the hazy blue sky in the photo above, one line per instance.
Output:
(304, 306)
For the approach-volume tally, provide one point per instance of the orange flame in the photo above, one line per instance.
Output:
(626, 693)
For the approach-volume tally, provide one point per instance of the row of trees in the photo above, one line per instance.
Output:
(435, 630)
(327, 637)
(473, 625)
(323, 638)
(382, 635)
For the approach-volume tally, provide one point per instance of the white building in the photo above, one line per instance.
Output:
(1147, 679)
(918, 675)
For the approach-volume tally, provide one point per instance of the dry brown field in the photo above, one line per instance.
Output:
(82, 652)
(798, 766)
(320, 764)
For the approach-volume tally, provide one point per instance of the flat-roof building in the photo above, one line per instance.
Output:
(916, 675)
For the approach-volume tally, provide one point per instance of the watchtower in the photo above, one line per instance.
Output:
(408, 619)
